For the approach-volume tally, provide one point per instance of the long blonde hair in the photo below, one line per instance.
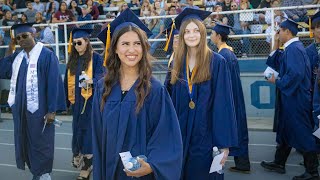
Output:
(203, 57)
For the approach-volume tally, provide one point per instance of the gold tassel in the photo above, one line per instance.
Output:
(86, 99)
(108, 41)
(310, 29)
(12, 37)
(170, 36)
(70, 43)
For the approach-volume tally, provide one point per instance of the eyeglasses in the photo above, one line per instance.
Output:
(22, 36)
(79, 43)
(234, 6)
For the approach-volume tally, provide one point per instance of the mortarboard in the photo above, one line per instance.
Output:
(187, 13)
(21, 28)
(291, 25)
(78, 33)
(125, 19)
(222, 29)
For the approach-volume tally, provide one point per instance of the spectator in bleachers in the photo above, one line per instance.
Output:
(75, 9)
(85, 16)
(190, 5)
(220, 2)
(135, 4)
(145, 8)
(15, 18)
(56, 5)
(38, 6)
(23, 19)
(63, 15)
(7, 21)
(210, 4)
(163, 4)
(66, 1)
(30, 12)
(45, 35)
(39, 18)
(226, 5)
(245, 4)
(177, 4)
(3, 8)
(93, 9)
(158, 9)
(245, 29)
(51, 10)
(9, 3)
(265, 4)
(298, 15)
(81, 2)
(20, 3)
(156, 27)
(122, 8)
(220, 18)
(171, 11)
(279, 16)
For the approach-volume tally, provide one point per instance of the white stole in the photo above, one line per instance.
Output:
(32, 78)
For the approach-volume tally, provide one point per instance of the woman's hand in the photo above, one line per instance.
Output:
(145, 169)
(225, 156)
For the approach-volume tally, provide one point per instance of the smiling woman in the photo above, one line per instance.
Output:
(132, 110)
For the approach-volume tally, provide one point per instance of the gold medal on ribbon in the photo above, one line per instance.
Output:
(192, 105)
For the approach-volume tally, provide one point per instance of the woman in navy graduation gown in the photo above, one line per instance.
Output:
(132, 111)
(201, 93)
(82, 59)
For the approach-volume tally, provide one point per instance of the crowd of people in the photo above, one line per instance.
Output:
(52, 11)
(118, 106)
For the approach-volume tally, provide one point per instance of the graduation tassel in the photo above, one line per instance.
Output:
(70, 43)
(86, 99)
(310, 29)
(108, 41)
(12, 37)
(170, 36)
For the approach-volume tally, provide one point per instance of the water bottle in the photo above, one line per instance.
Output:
(216, 152)
(57, 123)
(134, 164)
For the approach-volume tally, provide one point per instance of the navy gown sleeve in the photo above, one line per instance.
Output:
(316, 102)
(55, 89)
(6, 66)
(273, 61)
(293, 74)
(224, 126)
(97, 133)
(164, 149)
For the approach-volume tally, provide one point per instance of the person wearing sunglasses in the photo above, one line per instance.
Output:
(84, 69)
(36, 94)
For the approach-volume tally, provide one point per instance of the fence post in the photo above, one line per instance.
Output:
(65, 31)
(272, 29)
(56, 37)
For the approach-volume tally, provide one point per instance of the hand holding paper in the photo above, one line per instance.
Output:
(216, 163)
(269, 72)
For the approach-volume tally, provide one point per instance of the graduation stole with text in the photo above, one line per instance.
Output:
(86, 93)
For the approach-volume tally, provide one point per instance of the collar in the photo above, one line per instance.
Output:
(224, 45)
(290, 41)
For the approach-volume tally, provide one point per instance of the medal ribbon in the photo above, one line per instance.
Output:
(190, 84)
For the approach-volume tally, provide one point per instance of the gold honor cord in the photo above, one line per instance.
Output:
(192, 104)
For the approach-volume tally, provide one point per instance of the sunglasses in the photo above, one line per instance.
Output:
(22, 36)
(79, 43)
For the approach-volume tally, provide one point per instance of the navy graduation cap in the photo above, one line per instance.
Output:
(187, 13)
(126, 18)
(291, 25)
(81, 33)
(222, 29)
(21, 28)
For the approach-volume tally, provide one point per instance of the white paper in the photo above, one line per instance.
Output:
(125, 156)
(317, 133)
(269, 71)
(82, 79)
(215, 165)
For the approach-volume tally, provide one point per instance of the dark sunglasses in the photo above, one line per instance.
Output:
(22, 36)
(79, 43)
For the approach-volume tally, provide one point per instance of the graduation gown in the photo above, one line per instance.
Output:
(240, 108)
(33, 147)
(295, 125)
(153, 132)
(274, 62)
(314, 62)
(211, 123)
(81, 123)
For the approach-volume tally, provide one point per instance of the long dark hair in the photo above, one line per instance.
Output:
(113, 67)
(74, 58)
